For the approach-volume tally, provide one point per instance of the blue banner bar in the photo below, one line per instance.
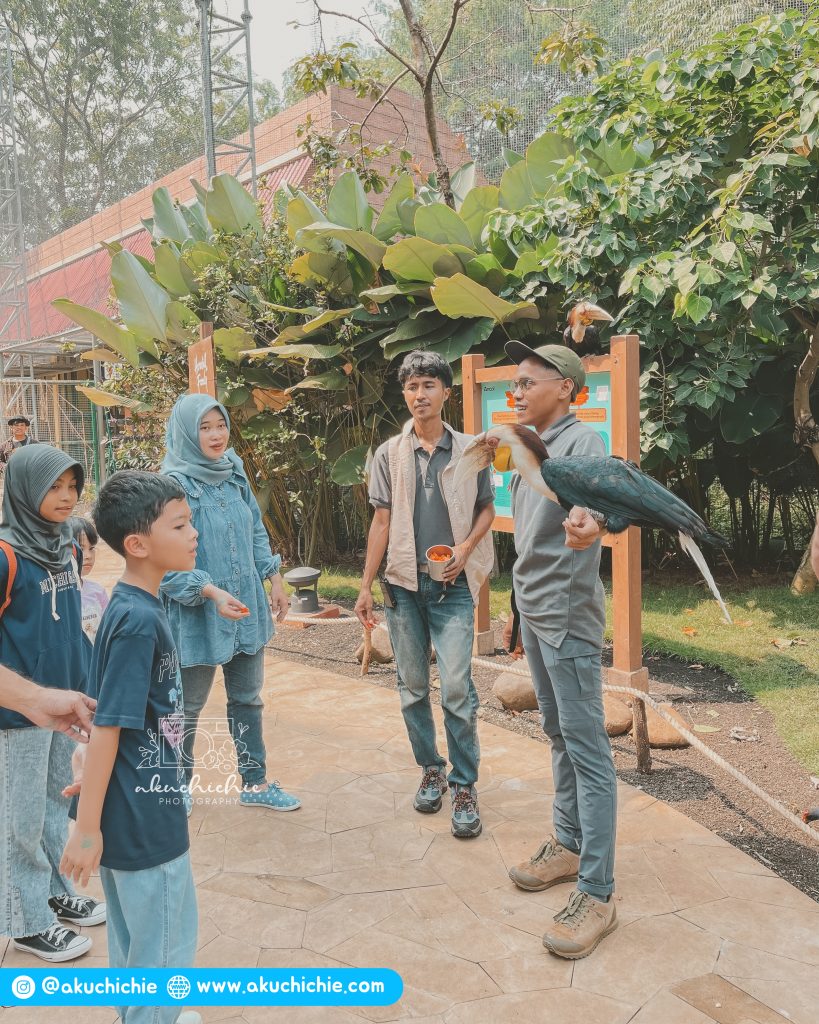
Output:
(218, 986)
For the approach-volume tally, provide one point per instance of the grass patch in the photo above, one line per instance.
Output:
(785, 681)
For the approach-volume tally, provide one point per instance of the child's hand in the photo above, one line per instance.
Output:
(81, 856)
(77, 769)
(228, 606)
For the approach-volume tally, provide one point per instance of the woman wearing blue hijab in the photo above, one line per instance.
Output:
(219, 612)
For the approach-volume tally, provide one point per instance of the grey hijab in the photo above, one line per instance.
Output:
(30, 473)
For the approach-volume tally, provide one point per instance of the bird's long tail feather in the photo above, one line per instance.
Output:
(690, 548)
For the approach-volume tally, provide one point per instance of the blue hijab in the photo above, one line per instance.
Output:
(184, 454)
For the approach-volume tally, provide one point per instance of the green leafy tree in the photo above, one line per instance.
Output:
(108, 99)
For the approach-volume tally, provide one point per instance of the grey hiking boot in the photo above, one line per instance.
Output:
(430, 792)
(466, 820)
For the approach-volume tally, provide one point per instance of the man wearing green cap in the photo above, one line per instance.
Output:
(19, 438)
(562, 611)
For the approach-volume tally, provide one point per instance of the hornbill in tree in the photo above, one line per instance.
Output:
(609, 486)
(581, 334)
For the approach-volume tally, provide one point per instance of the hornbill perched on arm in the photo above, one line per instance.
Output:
(610, 486)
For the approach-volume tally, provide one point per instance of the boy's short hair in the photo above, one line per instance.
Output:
(82, 527)
(425, 364)
(131, 502)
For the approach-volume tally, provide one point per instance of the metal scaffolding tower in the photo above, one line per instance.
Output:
(226, 75)
(14, 321)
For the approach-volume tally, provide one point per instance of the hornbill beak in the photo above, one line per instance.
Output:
(584, 314)
(527, 452)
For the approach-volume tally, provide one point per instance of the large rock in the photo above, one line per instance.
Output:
(381, 652)
(662, 734)
(618, 714)
(515, 692)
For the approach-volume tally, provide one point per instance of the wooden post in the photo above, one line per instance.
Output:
(202, 364)
(484, 634)
(626, 597)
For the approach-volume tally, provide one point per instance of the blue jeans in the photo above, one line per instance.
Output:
(569, 690)
(421, 617)
(244, 677)
(35, 766)
(152, 922)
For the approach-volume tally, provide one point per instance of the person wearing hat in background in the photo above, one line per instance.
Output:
(19, 437)
(561, 605)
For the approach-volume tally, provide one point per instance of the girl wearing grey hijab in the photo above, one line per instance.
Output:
(41, 638)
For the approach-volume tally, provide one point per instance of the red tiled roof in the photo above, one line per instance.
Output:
(87, 279)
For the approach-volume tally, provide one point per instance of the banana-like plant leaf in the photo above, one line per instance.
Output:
(168, 221)
(118, 338)
(464, 338)
(394, 346)
(544, 155)
(142, 302)
(323, 269)
(407, 209)
(197, 221)
(440, 224)
(306, 351)
(460, 296)
(232, 342)
(416, 327)
(478, 205)
(360, 241)
(418, 259)
(329, 316)
(389, 222)
(301, 310)
(301, 212)
(201, 255)
(347, 203)
(108, 399)
(462, 181)
(510, 157)
(270, 399)
(200, 190)
(516, 189)
(183, 324)
(102, 355)
(230, 207)
(391, 291)
(348, 469)
(168, 272)
(487, 271)
(332, 380)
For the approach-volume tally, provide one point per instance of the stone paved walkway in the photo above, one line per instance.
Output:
(358, 878)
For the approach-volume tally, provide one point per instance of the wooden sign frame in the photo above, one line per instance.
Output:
(202, 363)
(623, 363)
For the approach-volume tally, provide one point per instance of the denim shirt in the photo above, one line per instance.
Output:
(234, 555)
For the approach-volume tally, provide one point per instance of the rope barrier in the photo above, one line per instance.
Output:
(631, 691)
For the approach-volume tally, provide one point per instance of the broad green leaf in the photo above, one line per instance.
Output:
(406, 214)
(102, 355)
(528, 263)
(697, 307)
(107, 399)
(232, 342)
(329, 316)
(516, 189)
(142, 302)
(166, 263)
(724, 252)
(389, 223)
(397, 346)
(201, 255)
(325, 270)
(349, 468)
(391, 291)
(464, 338)
(183, 323)
(301, 212)
(418, 259)
(749, 415)
(332, 380)
(439, 223)
(302, 310)
(347, 203)
(462, 182)
(544, 155)
(486, 270)
(197, 221)
(305, 351)
(118, 338)
(459, 296)
(416, 327)
(325, 234)
(653, 289)
(230, 207)
(478, 205)
(168, 221)
(510, 157)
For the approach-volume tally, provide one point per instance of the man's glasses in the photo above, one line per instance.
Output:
(525, 384)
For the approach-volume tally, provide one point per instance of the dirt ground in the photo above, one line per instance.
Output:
(685, 778)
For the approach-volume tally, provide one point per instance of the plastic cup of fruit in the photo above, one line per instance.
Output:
(438, 558)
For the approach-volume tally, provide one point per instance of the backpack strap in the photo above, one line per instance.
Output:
(8, 550)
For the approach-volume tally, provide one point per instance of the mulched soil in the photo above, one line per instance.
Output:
(685, 779)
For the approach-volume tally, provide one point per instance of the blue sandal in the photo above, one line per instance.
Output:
(273, 797)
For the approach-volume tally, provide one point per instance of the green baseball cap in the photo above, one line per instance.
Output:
(566, 362)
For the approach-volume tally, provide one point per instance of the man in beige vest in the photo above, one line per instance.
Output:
(416, 508)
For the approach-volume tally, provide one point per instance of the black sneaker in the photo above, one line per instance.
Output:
(81, 910)
(55, 944)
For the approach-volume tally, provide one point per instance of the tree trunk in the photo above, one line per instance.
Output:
(806, 435)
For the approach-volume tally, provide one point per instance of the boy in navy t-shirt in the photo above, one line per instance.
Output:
(131, 819)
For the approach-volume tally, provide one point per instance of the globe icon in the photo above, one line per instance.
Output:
(178, 987)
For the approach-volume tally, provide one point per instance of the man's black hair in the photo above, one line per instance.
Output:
(131, 502)
(82, 527)
(425, 364)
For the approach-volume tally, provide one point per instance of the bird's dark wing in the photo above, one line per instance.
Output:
(624, 494)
